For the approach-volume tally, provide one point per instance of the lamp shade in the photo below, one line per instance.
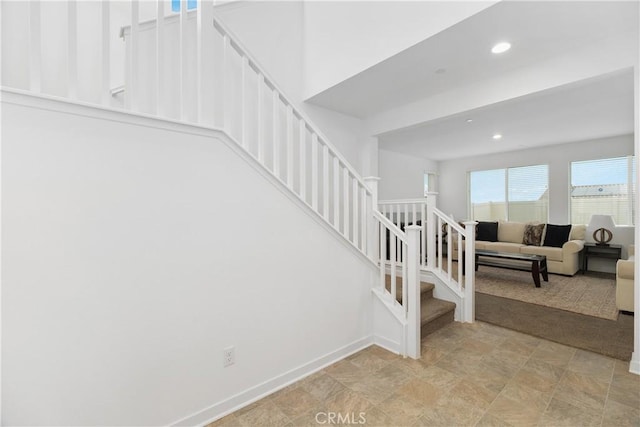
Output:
(603, 226)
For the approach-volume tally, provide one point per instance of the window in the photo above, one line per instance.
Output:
(429, 182)
(605, 187)
(514, 194)
(191, 4)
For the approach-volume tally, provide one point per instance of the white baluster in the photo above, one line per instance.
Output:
(371, 205)
(303, 160)
(345, 203)
(261, 126)
(336, 193)
(105, 90)
(393, 243)
(184, 61)
(382, 239)
(160, 55)
(130, 98)
(289, 146)
(363, 219)
(413, 279)
(276, 144)
(72, 49)
(325, 180)
(469, 279)
(431, 232)
(35, 47)
(226, 83)
(314, 172)
(243, 102)
(355, 197)
(423, 240)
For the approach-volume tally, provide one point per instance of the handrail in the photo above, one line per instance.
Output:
(244, 51)
(402, 201)
(390, 226)
(452, 224)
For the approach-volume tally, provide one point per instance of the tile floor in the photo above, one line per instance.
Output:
(475, 375)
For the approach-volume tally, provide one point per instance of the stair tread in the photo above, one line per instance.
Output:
(433, 308)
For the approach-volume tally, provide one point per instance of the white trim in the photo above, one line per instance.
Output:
(387, 344)
(242, 399)
(634, 365)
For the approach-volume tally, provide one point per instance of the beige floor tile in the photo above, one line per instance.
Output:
(560, 413)
(451, 412)
(519, 345)
(554, 354)
(266, 414)
(624, 393)
(489, 420)
(374, 418)
(382, 353)
(527, 395)
(422, 392)
(403, 410)
(228, 421)
(618, 415)
(374, 389)
(439, 377)
(296, 402)
(346, 372)
(474, 346)
(515, 412)
(430, 356)
(322, 386)
(539, 375)
(347, 401)
(474, 394)
(595, 365)
(583, 391)
(368, 361)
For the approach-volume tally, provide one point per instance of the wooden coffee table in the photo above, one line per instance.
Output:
(536, 264)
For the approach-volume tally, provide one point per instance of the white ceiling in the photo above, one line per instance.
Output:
(537, 30)
(591, 109)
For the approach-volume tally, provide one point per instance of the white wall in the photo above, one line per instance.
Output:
(133, 255)
(402, 176)
(343, 38)
(453, 173)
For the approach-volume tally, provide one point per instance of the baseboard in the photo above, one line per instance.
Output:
(634, 365)
(240, 400)
(387, 344)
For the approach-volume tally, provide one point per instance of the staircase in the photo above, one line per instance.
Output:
(434, 313)
(222, 88)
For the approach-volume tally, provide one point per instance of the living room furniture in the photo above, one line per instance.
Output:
(624, 281)
(536, 264)
(561, 251)
(594, 250)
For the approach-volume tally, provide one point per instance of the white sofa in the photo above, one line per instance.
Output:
(624, 281)
(564, 260)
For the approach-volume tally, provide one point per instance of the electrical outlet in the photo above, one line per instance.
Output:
(229, 356)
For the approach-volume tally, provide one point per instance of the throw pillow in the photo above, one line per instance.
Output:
(557, 235)
(533, 234)
(487, 231)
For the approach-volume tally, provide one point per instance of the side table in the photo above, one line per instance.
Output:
(592, 250)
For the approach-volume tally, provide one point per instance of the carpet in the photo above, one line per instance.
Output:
(592, 294)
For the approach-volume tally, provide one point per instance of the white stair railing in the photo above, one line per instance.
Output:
(440, 239)
(251, 109)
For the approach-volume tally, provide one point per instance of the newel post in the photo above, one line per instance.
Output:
(469, 312)
(413, 291)
(372, 205)
(431, 230)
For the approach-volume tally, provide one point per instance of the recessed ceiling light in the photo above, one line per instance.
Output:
(469, 120)
(501, 47)
(497, 136)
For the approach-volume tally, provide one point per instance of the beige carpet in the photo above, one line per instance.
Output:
(590, 294)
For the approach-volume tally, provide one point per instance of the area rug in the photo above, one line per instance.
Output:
(592, 295)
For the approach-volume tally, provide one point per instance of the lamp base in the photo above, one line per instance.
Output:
(602, 244)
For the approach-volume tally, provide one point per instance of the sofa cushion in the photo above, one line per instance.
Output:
(511, 232)
(533, 234)
(578, 232)
(556, 235)
(502, 247)
(487, 231)
(552, 254)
